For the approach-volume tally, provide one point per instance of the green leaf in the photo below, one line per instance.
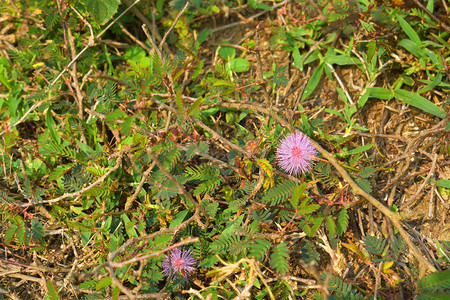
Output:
(104, 282)
(115, 293)
(37, 230)
(52, 292)
(239, 65)
(354, 151)
(279, 76)
(259, 249)
(279, 193)
(364, 184)
(227, 53)
(267, 167)
(445, 183)
(297, 193)
(412, 47)
(195, 106)
(313, 82)
(331, 226)
(337, 284)
(433, 296)
(437, 79)
(179, 218)
(371, 46)
(9, 234)
(102, 10)
(51, 125)
(380, 93)
(278, 259)
(341, 60)
(408, 30)
(134, 53)
(438, 280)
(342, 224)
(259, 5)
(220, 82)
(420, 102)
(375, 245)
(177, 4)
(307, 209)
(179, 102)
(298, 62)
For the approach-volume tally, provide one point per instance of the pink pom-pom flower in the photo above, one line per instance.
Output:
(295, 154)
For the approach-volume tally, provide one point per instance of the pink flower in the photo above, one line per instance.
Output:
(178, 262)
(295, 154)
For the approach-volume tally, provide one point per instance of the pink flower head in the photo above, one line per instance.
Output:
(178, 263)
(295, 153)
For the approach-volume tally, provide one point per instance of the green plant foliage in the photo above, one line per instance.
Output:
(101, 10)
(342, 221)
(338, 285)
(279, 193)
(208, 174)
(375, 245)
(37, 230)
(278, 258)
(132, 130)
(435, 281)
(52, 292)
(259, 249)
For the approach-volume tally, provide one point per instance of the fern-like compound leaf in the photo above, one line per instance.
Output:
(279, 258)
(375, 245)
(342, 222)
(259, 249)
(438, 280)
(338, 285)
(279, 193)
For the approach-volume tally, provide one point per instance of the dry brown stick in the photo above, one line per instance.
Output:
(185, 241)
(146, 21)
(412, 145)
(74, 264)
(173, 25)
(133, 38)
(117, 283)
(208, 129)
(425, 181)
(426, 249)
(441, 23)
(227, 26)
(119, 156)
(259, 70)
(130, 201)
(150, 38)
(194, 292)
(395, 218)
(180, 188)
(76, 84)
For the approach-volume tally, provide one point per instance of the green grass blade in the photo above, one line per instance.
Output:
(409, 31)
(313, 82)
(420, 102)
